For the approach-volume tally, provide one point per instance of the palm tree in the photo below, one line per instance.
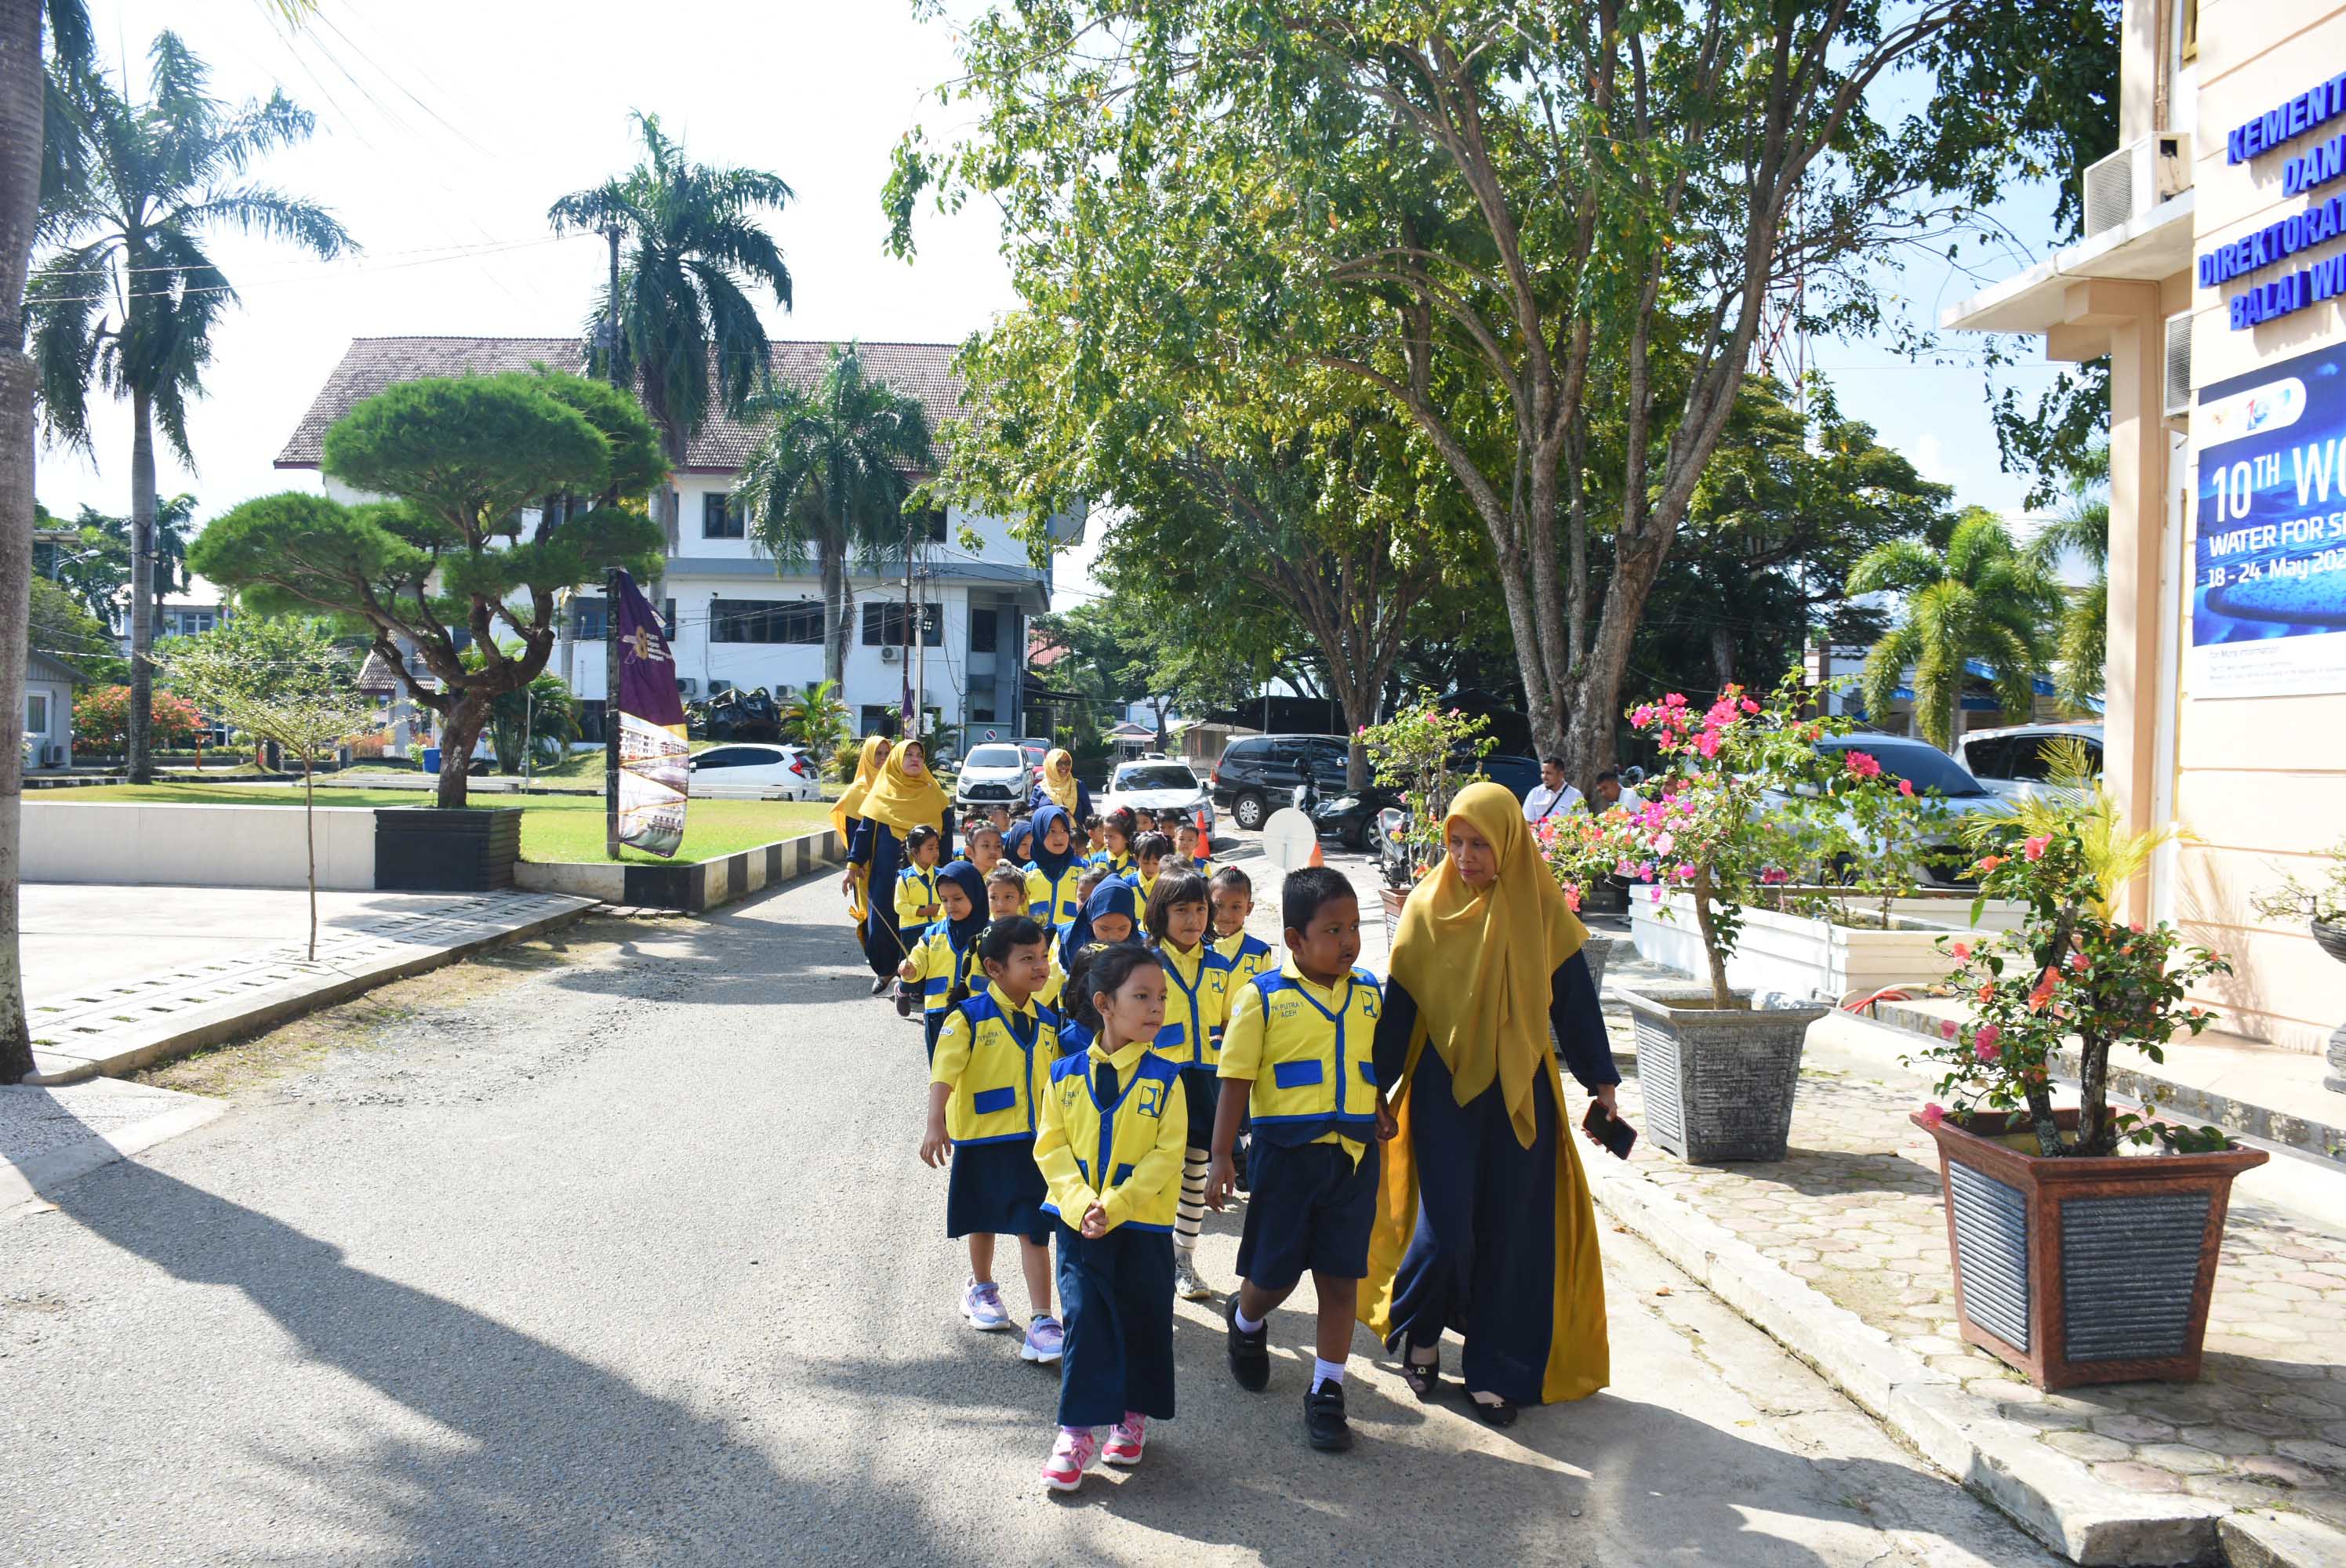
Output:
(130, 298)
(2082, 642)
(694, 248)
(1981, 597)
(832, 475)
(817, 720)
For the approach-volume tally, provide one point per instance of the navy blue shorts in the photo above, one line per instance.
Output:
(1310, 1207)
(1203, 1089)
(996, 1189)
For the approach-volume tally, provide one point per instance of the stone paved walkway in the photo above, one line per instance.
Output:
(1856, 1211)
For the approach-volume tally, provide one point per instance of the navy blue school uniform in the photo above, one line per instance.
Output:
(880, 850)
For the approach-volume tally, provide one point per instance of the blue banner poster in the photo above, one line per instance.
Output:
(2269, 546)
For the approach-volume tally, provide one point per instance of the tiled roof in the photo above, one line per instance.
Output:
(923, 371)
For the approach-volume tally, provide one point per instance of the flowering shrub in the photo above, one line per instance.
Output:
(1427, 751)
(101, 717)
(2072, 969)
(1583, 850)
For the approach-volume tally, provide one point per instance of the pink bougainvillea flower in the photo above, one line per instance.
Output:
(1623, 869)
(2078, 962)
(1906, 788)
(1987, 992)
(1988, 863)
(1685, 874)
(1675, 699)
(1862, 765)
(1572, 899)
(1750, 707)
(2043, 992)
(2032, 850)
(1947, 1028)
(1933, 1114)
(1984, 1045)
(1774, 875)
(1665, 842)
(1962, 950)
(2134, 926)
(1708, 744)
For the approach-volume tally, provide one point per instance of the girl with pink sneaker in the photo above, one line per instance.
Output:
(1115, 1130)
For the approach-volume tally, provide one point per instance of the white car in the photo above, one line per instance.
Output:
(756, 771)
(2013, 762)
(1159, 786)
(996, 773)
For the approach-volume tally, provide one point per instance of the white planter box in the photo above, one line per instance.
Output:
(1811, 960)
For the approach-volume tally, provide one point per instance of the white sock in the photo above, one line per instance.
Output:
(1245, 1325)
(1326, 1372)
(1189, 1216)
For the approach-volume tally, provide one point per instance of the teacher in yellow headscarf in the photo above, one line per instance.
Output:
(1484, 1223)
(1056, 784)
(847, 821)
(904, 795)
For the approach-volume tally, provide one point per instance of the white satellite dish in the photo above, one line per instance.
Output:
(1289, 840)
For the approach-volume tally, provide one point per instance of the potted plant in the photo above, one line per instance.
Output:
(2073, 1264)
(1582, 850)
(1717, 1074)
(2325, 906)
(1426, 751)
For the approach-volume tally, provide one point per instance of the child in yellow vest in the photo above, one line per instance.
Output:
(986, 1083)
(1297, 1056)
(944, 960)
(1115, 1123)
(1196, 1003)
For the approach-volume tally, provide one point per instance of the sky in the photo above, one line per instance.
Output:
(446, 131)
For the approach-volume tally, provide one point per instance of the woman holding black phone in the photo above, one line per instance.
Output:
(1486, 1224)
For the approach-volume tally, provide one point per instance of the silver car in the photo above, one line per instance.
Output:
(1955, 794)
(1159, 786)
(2013, 762)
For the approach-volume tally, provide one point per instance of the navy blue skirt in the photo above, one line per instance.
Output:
(996, 1189)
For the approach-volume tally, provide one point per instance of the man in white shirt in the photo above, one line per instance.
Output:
(1551, 796)
(1610, 794)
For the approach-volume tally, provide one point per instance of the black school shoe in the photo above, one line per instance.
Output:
(1250, 1353)
(1323, 1419)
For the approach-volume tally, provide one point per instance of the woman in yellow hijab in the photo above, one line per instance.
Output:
(904, 795)
(1484, 1223)
(847, 821)
(1056, 785)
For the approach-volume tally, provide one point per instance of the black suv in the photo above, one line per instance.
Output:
(1259, 773)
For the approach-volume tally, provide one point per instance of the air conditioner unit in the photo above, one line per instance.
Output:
(53, 754)
(2177, 400)
(686, 686)
(2136, 179)
(889, 653)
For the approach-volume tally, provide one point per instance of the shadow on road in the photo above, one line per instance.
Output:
(552, 1460)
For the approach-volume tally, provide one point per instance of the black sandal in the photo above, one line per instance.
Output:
(1424, 1379)
(1502, 1414)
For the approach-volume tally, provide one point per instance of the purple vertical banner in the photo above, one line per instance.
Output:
(651, 715)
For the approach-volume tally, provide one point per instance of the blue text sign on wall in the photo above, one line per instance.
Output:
(2324, 220)
(2269, 532)
(2262, 133)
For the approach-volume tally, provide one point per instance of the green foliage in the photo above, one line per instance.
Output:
(102, 720)
(539, 721)
(63, 629)
(1981, 597)
(2295, 899)
(844, 757)
(692, 248)
(2082, 641)
(95, 565)
(1428, 750)
(817, 720)
(284, 680)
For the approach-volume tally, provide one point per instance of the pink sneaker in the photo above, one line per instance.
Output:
(1124, 1441)
(1071, 1455)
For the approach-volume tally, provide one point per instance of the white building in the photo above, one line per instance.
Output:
(49, 683)
(737, 616)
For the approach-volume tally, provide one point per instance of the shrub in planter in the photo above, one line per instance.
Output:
(2073, 1264)
(1582, 850)
(2324, 905)
(1428, 751)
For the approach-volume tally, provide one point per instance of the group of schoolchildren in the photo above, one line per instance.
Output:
(1102, 1031)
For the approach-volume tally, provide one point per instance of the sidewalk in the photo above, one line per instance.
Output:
(120, 977)
(1841, 1251)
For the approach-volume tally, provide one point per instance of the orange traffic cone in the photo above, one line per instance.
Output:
(1315, 854)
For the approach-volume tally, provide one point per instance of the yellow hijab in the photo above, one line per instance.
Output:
(851, 800)
(904, 803)
(1061, 790)
(1479, 963)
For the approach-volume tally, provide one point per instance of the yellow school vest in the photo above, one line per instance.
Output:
(937, 969)
(917, 890)
(1126, 1154)
(1248, 956)
(1307, 1050)
(1196, 1001)
(999, 1065)
(1054, 902)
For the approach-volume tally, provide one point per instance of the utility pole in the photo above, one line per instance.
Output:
(911, 726)
(611, 588)
(921, 644)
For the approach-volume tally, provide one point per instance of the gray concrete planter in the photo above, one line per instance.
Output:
(1718, 1082)
(2332, 941)
(2083, 1269)
(1597, 949)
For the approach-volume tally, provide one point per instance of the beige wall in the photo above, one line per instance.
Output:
(2262, 782)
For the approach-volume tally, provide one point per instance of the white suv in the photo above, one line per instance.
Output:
(2012, 762)
(995, 773)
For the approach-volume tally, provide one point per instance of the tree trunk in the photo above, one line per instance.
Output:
(1722, 655)
(310, 842)
(1720, 996)
(20, 187)
(140, 741)
(834, 610)
(462, 728)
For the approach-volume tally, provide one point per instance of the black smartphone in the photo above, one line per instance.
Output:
(1611, 1131)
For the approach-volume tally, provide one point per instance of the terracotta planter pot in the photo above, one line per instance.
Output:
(2086, 1270)
(1393, 898)
(1718, 1082)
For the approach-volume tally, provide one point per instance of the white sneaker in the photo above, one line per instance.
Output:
(1046, 1340)
(1187, 1284)
(982, 1305)
(1126, 1440)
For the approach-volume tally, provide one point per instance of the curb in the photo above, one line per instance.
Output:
(233, 1020)
(2047, 1494)
(23, 1183)
(690, 887)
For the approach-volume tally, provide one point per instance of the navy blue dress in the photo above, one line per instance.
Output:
(1483, 1260)
(876, 846)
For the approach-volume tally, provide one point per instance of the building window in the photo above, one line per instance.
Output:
(45, 558)
(36, 713)
(980, 711)
(187, 623)
(594, 618)
(936, 521)
(984, 631)
(795, 621)
(879, 720)
(719, 519)
(885, 624)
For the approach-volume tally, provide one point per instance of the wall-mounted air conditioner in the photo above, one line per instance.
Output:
(688, 686)
(53, 754)
(2177, 400)
(2136, 179)
(889, 653)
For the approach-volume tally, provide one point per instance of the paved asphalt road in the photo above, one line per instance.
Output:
(632, 1262)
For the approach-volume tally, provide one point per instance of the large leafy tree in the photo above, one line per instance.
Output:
(1504, 220)
(833, 476)
(128, 300)
(1980, 597)
(95, 566)
(62, 628)
(449, 566)
(693, 256)
(29, 174)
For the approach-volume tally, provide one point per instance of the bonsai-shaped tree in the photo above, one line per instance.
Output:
(443, 566)
(283, 680)
(2323, 902)
(2073, 968)
(1429, 751)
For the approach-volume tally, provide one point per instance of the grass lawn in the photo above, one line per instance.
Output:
(553, 827)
